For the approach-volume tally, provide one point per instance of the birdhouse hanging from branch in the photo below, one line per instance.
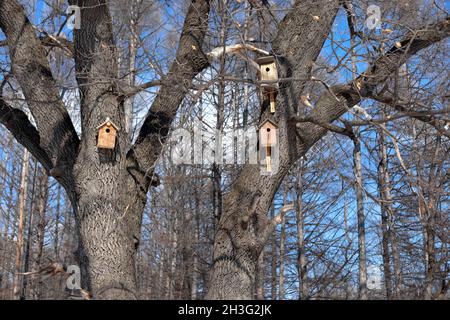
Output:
(269, 78)
(107, 132)
(268, 144)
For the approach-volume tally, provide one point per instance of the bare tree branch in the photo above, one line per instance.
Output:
(16, 121)
(328, 109)
(30, 67)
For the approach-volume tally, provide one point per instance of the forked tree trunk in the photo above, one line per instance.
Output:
(240, 239)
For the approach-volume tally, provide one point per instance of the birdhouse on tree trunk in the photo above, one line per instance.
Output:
(268, 71)
(268, 133)
(107, 132)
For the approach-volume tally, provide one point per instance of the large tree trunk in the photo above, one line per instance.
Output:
(109, 222)
(240, 239)
(111, 185)
(108, 199)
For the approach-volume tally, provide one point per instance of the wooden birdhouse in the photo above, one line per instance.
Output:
(268, 133)
(268, 71)
(107, 132)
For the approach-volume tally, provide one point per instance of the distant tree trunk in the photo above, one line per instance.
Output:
(56, 230)
(220, 105)
(196, 240)
(10, 232)
(281, 294)
(40, 236)
(301, 256)
(132, 51)
(17, 285)
(388, 226)
(29, 243)
(173, 258)
(274, 262)
(3, 184)
(430, 223)
(385, 253)
(362, 262)
(426, 212)
(7, 214)
(260, 276)
(348, 285)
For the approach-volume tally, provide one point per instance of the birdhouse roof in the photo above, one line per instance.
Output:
(265, 60)
(266, 122)
(105, 122)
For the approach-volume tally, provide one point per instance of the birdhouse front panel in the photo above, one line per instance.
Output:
(268, 134)
(268, 70)
(107, 133)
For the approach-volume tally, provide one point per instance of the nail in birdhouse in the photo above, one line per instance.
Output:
(107, 132)
(268, 132)
(268, 71)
